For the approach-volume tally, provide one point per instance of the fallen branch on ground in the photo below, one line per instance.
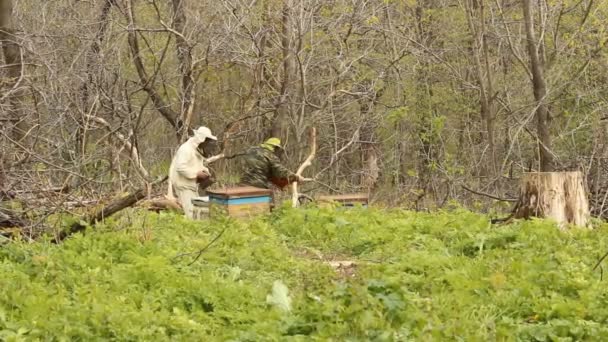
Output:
(108, 211)
(63, 189)
(488, 195)
(10, 219)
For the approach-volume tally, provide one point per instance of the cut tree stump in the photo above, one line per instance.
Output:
(560, 196)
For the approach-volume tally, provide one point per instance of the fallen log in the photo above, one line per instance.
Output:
(161, 203)
(107, 211)
(9, 219)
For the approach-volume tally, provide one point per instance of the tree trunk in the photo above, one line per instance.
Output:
(370, 159)
(369, 152)
(93, 60)
(2, 176)
(278, 128)
(427, 152)
(11, 87)
(146, 83)
(185, 64)
(597, 177)
(479, 47)
(560, 196)
(540, 92)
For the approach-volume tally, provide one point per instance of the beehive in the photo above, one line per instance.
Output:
(243, 201)
(200, 208)
(346, 200)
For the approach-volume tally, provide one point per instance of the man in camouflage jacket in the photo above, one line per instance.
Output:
(263, 167)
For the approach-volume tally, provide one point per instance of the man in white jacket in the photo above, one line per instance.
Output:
(188, 168)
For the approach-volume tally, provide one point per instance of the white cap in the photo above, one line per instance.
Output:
(203, 133)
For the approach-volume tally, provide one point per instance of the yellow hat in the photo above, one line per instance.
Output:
(276, 142)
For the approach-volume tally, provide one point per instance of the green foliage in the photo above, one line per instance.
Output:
(419, 276)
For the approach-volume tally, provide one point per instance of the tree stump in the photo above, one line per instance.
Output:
(560, 196)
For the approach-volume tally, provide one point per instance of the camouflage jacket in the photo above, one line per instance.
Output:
(261, 165)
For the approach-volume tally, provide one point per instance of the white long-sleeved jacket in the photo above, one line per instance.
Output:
(187, 162)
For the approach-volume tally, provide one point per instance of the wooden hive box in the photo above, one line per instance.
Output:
(242, 201)
(347, 200)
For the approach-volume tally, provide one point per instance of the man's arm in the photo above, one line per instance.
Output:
(184, 164)
(280, 171)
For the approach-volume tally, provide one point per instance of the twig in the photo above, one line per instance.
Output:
(600, 261)
(488, 195)
(201, 251)
(214, 158)
(63, 189)
(325, 185)
(125, 141)
(334, 158)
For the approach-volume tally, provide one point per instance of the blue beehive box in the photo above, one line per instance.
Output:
(244, 201)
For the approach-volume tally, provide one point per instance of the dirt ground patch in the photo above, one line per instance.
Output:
(344, 265)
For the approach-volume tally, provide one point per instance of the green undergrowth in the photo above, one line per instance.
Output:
(416, 276)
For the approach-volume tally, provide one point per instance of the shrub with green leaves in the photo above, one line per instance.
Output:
(417, 276)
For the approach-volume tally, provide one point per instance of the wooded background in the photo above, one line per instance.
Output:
(412, 100)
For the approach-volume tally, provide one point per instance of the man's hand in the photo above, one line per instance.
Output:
(298, 178)
(202, 176)
(304, 179)
(204, 179)
(279, 182)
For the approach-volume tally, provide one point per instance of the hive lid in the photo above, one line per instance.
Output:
(240, 191)
(200, 201)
